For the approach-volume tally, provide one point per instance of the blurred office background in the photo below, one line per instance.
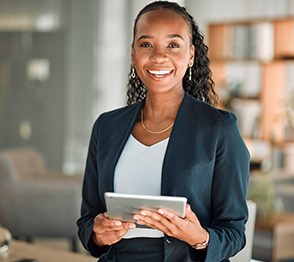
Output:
(63, 62)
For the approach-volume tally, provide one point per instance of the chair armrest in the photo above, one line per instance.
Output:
(52, 175)
(286, 194)
(41, 208)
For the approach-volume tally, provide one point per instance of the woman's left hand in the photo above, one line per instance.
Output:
(187, 229)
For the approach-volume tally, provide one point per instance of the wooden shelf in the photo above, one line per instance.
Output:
(275, 91)
(284, 38)
(219, 37)
(281, 228)
(263, 51)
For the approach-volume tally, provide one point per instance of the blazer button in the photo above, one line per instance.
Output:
(169, 239)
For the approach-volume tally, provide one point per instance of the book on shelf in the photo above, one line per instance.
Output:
(261, 41)
(248, 112)
(240, 41)
(243, 78)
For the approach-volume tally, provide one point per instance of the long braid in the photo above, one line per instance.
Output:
(201, 86)
(136, 91)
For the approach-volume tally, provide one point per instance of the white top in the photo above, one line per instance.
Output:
(138, 171)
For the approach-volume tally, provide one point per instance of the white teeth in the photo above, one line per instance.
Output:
(159, 72)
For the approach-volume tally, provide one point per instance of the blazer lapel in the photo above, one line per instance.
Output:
(123, 128)
(176, 158)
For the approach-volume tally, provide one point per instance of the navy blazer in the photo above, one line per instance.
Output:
(206, 161)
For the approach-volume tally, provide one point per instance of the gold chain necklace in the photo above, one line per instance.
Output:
(150, 131)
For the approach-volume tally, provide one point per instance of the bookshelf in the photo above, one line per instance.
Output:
(252, 64)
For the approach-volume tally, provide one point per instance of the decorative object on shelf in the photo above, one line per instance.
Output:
(248, 112)
(262, 191)
(289, 157)
(38, 70)
(260, 153)
(290, 117)
(5, 239)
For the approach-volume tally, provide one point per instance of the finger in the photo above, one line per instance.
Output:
(144, 217)
(103, 223)
(190, 215)
(155, 220)
(111, 237)
(129, 225)
(107, 233)
(169, 215)
(173, 223)
(112, 222)
(115, 222)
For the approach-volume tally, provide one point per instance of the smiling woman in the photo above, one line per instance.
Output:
(161, 54)
(197, 80)
(170, 140)
(162, 51)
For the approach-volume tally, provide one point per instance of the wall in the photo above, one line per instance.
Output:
(54, 115)
(31, 109)
(80, 72)
(226, 10)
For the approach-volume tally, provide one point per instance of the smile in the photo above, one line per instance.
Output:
(159, 73)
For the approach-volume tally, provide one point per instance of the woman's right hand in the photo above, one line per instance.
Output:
(108, 231)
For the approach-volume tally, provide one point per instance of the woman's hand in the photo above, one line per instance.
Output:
(108, 231)
(187, 229)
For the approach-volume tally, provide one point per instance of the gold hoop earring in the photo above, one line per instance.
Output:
(133, 73)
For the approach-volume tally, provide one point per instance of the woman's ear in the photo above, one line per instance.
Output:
(192, 55)
(132, 55)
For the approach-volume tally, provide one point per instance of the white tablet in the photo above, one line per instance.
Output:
(124, 206)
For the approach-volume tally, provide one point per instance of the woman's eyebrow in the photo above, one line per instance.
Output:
(175, 36)
(169, 36)
(144, 37)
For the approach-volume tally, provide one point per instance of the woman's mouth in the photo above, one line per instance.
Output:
(160, 73)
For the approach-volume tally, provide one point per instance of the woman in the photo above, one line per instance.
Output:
(169, 140)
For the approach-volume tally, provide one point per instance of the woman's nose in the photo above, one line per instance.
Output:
(159, 56)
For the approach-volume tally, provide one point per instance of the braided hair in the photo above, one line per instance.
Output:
(201, 86)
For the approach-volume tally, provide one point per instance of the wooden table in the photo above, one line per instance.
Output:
(21, 250)
(281, 228)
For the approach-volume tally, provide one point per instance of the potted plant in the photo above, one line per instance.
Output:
(262, 191)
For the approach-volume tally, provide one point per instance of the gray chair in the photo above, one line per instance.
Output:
(36, 202)
(245, 254)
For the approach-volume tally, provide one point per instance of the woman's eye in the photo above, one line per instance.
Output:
(173, 45)
(145, 45)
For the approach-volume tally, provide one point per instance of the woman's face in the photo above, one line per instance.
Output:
(162, 50)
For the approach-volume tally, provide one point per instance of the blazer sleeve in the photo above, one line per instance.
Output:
(91, 201)
(229, 189)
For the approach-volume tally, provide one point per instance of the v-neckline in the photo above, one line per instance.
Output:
(148, 146)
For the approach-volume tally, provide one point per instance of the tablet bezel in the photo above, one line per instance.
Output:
(123, 206)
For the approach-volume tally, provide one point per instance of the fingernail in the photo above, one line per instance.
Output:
(160, 211)
(118, 223)
(132, 226)
(143, 213)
